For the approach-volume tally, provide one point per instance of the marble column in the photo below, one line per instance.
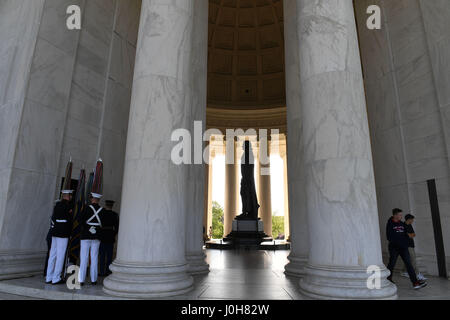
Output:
(207, 218)
(195, 188)
(230, 210)
(283, 156)
(341, 201)
(298, 223)
(265, 199)
(151, 259)
(22, 246)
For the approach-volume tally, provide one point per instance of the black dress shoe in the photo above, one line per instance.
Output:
(48, 282)
(59, 282)
(94, 283)
(81, 283)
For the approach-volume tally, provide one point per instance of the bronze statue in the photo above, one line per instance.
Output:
(250, 204)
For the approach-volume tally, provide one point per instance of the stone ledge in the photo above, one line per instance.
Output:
(39, 290)
(21, 264)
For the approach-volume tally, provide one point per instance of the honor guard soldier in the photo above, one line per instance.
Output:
(91, 225)
(48, 239)
(110, 227)
(61, 228)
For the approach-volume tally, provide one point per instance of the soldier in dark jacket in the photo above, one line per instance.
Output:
(91, 225)
(110, 228)
(61, 228)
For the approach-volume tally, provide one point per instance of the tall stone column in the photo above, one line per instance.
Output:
(265, 195)
(230, 210)
(22, 176)
(298, 222)
(207, 218)
(341, 201)
(195, 188)
(283, 155)
(151, 250)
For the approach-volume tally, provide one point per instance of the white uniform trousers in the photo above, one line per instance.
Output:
(87, 246)
(56, 259)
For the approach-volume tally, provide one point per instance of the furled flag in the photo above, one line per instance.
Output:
(89, 187)
(67, 186)
(97, 184)
(79, 205)
(67, 189)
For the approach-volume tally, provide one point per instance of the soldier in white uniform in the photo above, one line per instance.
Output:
(90, 239)
(61, 228)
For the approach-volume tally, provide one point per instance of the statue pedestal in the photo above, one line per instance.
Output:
(247, 226)
(247, 233)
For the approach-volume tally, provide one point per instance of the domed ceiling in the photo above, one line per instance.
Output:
(246, 55)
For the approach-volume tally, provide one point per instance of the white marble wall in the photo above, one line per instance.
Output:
(44, 63)
(436, 18)
(19, 27)
(60, 99)
(99, 104)
(406, 83)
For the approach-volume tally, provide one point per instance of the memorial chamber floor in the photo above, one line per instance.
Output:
(244, 274)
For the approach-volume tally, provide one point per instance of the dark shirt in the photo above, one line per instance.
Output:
(410, 229)
(396, 234)
(110, 226)
(89, 229)
(61, 224)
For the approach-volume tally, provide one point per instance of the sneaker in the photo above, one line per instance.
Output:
(421, 277)
(405, 274)
(419, 284)
(390, 279)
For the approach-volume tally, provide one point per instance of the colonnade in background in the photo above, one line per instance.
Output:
(232, 199)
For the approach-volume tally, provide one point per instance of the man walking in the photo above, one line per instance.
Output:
(110, 227)
(398, 246)
(409, 219)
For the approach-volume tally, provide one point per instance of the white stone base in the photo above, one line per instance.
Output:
(141, 282)
(296, 266)
(197, 264)
(21, 264)
(342, 283)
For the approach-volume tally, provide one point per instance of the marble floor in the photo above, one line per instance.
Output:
(234, 275)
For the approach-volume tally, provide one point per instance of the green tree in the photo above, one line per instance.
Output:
(217, 220)
(277, 226)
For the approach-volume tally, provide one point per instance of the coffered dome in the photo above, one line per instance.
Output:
(246, 54)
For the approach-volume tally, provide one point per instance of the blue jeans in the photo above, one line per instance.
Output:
(394, 252)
